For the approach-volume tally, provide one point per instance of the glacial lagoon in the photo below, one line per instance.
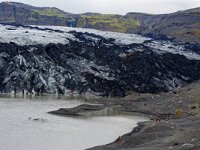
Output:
(26, 125)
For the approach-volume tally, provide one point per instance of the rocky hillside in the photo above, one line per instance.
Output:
(73, 60)
(182, 26)
(12, 12)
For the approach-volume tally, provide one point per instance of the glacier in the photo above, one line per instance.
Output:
(63, 60)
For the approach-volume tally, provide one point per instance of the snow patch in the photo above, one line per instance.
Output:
(165, 46)
(28, 36)
(33, 35)
(120, 38)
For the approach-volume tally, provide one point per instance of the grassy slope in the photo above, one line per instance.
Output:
(50, 12)
(108, 22)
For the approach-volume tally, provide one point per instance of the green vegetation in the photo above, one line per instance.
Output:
(50, 12)
(195, 10)
(189, 32)
(108, 22)
(10, 20)
(196, 32)
(191, 35)
(32, 19)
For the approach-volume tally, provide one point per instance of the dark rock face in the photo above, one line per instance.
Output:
(95, 66)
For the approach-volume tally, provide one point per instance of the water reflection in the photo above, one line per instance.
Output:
(41, 97)
(108, 111)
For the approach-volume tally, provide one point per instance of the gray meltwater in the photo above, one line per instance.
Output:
(19, 130)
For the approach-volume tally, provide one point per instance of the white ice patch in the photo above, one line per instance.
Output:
(27, 36)
(32, 36)
(21, 60)
(120, 38)
(163, 47)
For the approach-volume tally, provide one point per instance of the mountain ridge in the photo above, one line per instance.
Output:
(181, 26)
